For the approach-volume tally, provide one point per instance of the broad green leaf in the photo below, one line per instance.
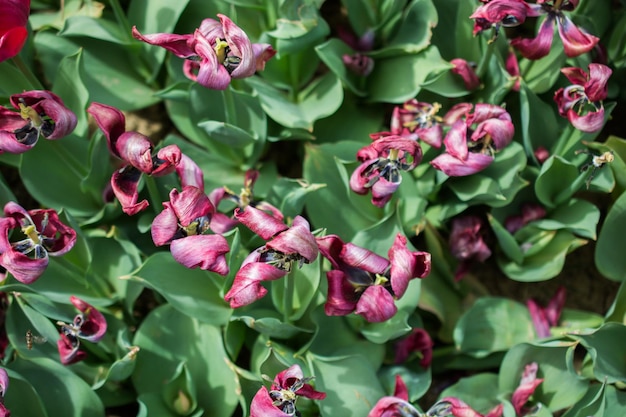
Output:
(227, 134)
(199, 345)
(539, 75)
(331, 53)
(538, 122)
(491, 325)
(351, 385)
(591, 404)
(546, 263)
(69, 84)
(561, 387)
(379, 237)
(617, 311)
(557, 181)
(12, 80)
(479, 391)
(23, 399)
(609, 256)
(289, 195)
(321, 98)
(262, 322)
(192, 291)
(119, 370)
(578, 216)
(304, 287)
(507, 242)
(71, 396)
(618, 166)
(93, 28)
(609, 362)
(410, 73)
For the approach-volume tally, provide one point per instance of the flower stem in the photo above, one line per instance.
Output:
(28, 74)
(288, 296)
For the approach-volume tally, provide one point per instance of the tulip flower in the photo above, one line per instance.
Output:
(44, 234)
(381, 163)
(545, 317)
(467, 244)
(581, 102)
(13, 32)
(215, 53)
(575, 40)
(473, 138)
(452, 406)
(497, 13)
(365, 283)
(280, 401)
(39, 113)
(285, 246)
(222, 223)
(396, 405)
(136, 151)
(528, 383)
(183, 223)
(360, 64)
(530, 212)
(418, 121)
(88, 325)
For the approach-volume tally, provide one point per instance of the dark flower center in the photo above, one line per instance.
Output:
(280, 260)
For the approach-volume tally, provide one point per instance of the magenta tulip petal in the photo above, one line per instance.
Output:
(164, 226)
(24, 269)
(124, 183)
(467, 73)
(262, 405)
(136, 149)
(295, 240)
(13, 32)
(247, 286)
(240, 46)
(454, 167)
(361, 258)
(596, 87)
(94, 325)
(539, 46)
(342, 297)
(111, 121)
(526, 388)
(68, 352)
(376, 304)
(456, 140)
(189, 172)
(589, 123)
(260, 222)
(179, 45)
(202, 251)
(417, 341)
(575, 41)
(190, 204)
(211, 74)
(406, 265)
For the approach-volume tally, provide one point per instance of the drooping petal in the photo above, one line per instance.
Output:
(297, 239)
(60, 237)
(539, 46)
(501, 132)
(454, 167)
(456, 140)
(359, 181)
(596, 88)
(376, 304)
(179, 45)
(383, 190)
(392, 407)
(528, 383)
(538, 316)
(94, 326)
(211, 73)
(189, 172)
(455, 407)
(247, 286)
(589, 123)
(190, 204)
(406, 265)
(111, 121)
(575, 41)
(64, 119)
(417, 341)
(4, 382)
(202, 251)
(136, 149)
(166, 161)
(24, 269)
(555, 306)
(260, 222)
(466, 72)
(164, 226)
(361, 258)
(263, 52)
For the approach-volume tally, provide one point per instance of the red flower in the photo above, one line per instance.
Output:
(467, 244)
(88, 325)
(215, 53)
(280, 401)
(581, 102)
(40, 113)
(13, 32)
(4, 385)
(182, 224)
(575, 40)
(528, 383)
(365, 283)
(396, 405)
(45, 235)
(548, 316)
(463, 69)
(496, 13)
(285, 246)
(417, 341)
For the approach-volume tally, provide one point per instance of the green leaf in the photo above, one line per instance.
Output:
(539, 126)
(12, 80)
(492, 324)
(380, 236)
(289, 195)
(188, 340)
(591, 404)
(506, 241)
(350, 384)
(71, 396)
(609, 254)
(539, 75)
(272, 327)
(227, 134)
(119, 370)
(561, 387)
(69, 85)
(398, 79)
(544, 264)
(306, 281)
(556, 182)
(94, 28)
(331, 53)
(23, 399)
(609, 362)
(319, 99)
(192, 291)
(578, 216)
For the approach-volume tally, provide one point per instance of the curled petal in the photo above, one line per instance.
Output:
(454, 167)
(432, 135)
(361, 258)
(179, 45)
(61, 238)
(287, 378)
(406, 265)
(189, 172)
(167, 160)
(500, 131)
(417, 341)
(342, 298)
(528, 383)
(190, 204)
(454, 407)
(297, 239)
(94, 325)
(13, 32)
(221, 223)
(240, 46)
(456, 140)
(247, 286)
(376, 304)
(26, 270)
(262, 405)
(383, 190)
(263, 52)
(111, 121)
(392, 407)
(202, 251)
(260, 222)
(359, 182)
(124, 183)
(164, 226)
(64, 119)
(589, 123)
(539, 46)
(457, 112)
(596, 88)
(466, 72)
(135, 149)
(68, 351)
(211, 73)
(575, 41)
(4, 382)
